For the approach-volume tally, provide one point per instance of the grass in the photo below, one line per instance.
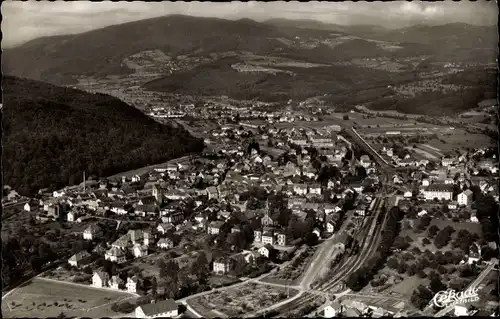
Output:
(238, 301)
(41, 298)
(290, 274)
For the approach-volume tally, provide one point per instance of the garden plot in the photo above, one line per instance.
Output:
(292, 272)
(237, 301)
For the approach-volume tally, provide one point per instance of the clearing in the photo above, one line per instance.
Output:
(43, 298)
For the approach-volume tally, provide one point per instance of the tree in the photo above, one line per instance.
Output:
(154, 287)
(311, 239)
(433, 230)
(421, 297)
(436, 284)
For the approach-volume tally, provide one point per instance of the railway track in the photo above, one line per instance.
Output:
(370, 237)
(286, 309)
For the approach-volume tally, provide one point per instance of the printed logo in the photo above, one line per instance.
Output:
(450, 297)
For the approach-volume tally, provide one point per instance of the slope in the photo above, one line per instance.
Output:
(51, 134)
(100, 52)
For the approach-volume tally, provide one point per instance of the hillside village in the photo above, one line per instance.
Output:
(239, 211)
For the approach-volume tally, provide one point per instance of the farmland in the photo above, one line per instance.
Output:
(43, 298)
(237, 301)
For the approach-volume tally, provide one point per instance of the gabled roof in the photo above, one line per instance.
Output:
(79, 256)
(159, 307)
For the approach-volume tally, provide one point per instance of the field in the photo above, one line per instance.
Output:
(241, 300)
(43, 298)
(460, 139)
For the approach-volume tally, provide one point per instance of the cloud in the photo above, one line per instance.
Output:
(23, 21)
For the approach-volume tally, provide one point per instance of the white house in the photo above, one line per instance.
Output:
(27, 207)
(115, 282)
(165, 243)
(300, 189)
(461, 310)
(264, 251)
(91, 232)
(115, 255)
(473, 218)
(423, 212)
(439, 191)
(166, 308)
(315, 189)
(221, 265)
(317, 232)
(330, 226)
(79, 259)
(332, 310)
(100, 279)
(465, 198)
(408, 194)
(425, 182)
(139, 250)
(132, 284)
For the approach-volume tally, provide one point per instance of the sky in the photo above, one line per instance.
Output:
(24, 21)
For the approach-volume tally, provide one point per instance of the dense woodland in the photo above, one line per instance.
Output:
(52, 134)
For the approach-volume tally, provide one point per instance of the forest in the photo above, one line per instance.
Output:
(52, 134)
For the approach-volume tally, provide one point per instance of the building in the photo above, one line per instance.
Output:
(91, 232)
(315, 189)
(164, 227)
(100, 279)
(80, 259)
(439, 191)
(365, 161)
(222, 265)
(257, 236)
(332, 310)
(166, 308)
(465, 198)
(268, 238)
(270, 220)
(132, 284)
(214, 227)
(265, 251)
(139, 250)
(300, 189)
(165, 243)
(281, 239)
(116, 283)
(446, 161)
(158, 193)
(27, 207)
(115, 255)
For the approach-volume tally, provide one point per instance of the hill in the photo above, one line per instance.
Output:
(101, 52)
(52, 134)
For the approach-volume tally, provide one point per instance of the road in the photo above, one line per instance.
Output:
(473, 285)
(146, 169)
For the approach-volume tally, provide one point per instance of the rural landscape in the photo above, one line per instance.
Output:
(163, 161)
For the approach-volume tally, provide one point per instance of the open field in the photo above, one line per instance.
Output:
(460, 139)
(43, 298)
(235, 302)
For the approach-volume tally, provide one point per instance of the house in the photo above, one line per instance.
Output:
(122, 243)
(91, 232)
(147, 237)
(268, 238)
(332, 310)
(81, 258)
(365, 161)
(132, 284)
(461, 310)
(214, 227)
(27, 207)
(423, 212)
(281, 239)
(250, 256)
(474, 254)
(257, 236)
(158, 192)
(140, 250)
(315, 189)
(317, 232)
(173, 216)
(135, 235)
(166, 308)
(300, 189)
(408, 194)
(72, 216)
(115, 255)
(439, 191)
(222, 265)
(446, 161)
(116, 282)
(144, 210)
(465, 198)
(235, 229)
(165, 243)
(212, 192)
(100, 279)
(342, 241)
(473, 218)
(265, 251)
(163, 228)
(330, 226)
(452, 205)
(425, 182)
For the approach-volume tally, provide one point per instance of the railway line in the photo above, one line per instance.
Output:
(370, 239)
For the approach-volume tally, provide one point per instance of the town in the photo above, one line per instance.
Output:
(276, 209)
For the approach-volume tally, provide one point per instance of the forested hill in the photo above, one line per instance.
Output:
(52, 134)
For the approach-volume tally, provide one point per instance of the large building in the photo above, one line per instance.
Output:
(439, 191)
